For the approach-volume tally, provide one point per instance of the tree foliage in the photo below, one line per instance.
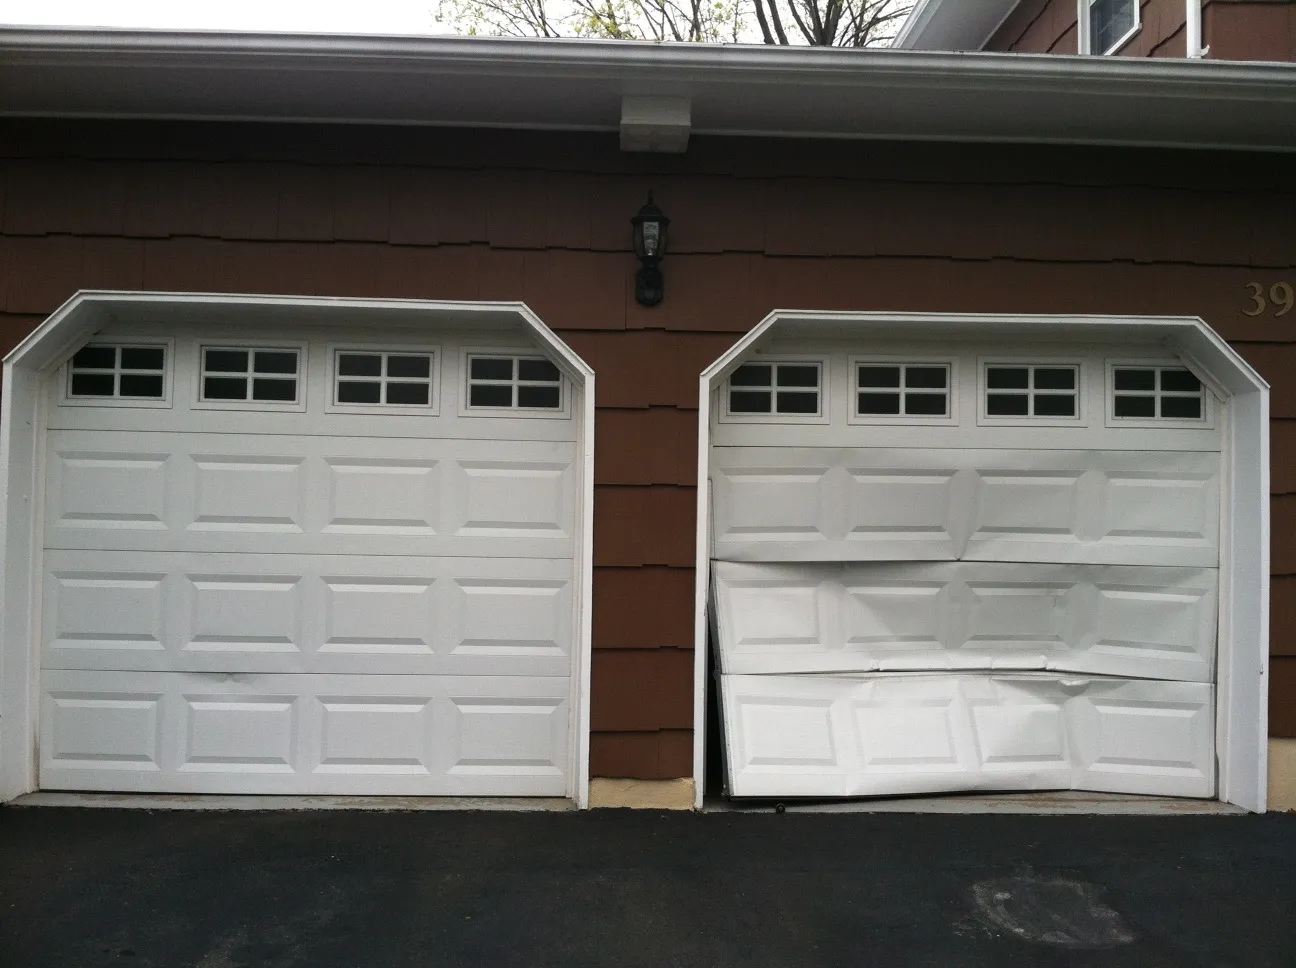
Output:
(821, 23)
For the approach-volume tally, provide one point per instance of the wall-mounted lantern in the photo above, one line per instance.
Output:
(650, 225)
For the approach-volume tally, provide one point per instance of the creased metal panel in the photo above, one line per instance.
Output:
(304, 734)
(856, 504)
(833, 736)
(1143, 621)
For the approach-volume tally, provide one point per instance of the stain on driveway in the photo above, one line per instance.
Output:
(138, 889)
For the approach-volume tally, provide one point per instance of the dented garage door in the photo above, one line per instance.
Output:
(949, 568)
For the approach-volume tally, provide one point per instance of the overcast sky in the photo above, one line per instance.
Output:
(328, 16)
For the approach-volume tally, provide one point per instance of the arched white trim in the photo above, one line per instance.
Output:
(22, 471)
(1243, 663)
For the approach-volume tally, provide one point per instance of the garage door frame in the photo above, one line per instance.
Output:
(1243, 648)
(22, 458)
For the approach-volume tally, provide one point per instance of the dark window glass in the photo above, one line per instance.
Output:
(1006, 404)
(1007, 378)
(541, 370)
(224, 388)
(276, 363)
(797, 402)
(926, 377)
(749, 401)
(95, 357)
(1134, 406)
(357, 392)
(357, 364)
(879, 403)
(1180, 381)
(1135, 379)
(408, 394)
(1181, 408)
(879, 376)
(279, 391)
(141, 385)
(490, 395)
(1054, 378)
(1062, 405)
(751, 375)
(491, 368)
(798, 376)
(225, 361)
(925, 404)
(1110, 20)
(142, 358)
(546, 398)
(409, 366)
(92, 385)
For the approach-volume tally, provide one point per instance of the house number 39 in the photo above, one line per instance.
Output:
(1280, 297)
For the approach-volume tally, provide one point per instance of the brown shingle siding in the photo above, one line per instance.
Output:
(1282, 697)
(644, 526)
(634, 690)
(643, 608)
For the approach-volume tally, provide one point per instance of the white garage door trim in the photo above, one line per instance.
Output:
(1242, 711)
(22, 458)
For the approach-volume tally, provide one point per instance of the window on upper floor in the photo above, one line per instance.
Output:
(1109, 23)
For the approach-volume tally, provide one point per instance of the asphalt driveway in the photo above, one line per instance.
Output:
(137, 889)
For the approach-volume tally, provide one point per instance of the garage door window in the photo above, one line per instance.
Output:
(1044, 392)
(364, 379)
(887, 391)
(519, 384)
(250, 375)
(785, 389)
(119, 373)
(1156, 394)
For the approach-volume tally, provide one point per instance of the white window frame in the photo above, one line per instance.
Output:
(164, 402)
(431, 409)
(1205, 422)
(951, 391)
(984, 419)
(466, 356)
(1084, 28)
(295, 406)
(795, 359)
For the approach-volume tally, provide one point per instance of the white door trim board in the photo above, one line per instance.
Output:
(1241, 727)
(22, 457)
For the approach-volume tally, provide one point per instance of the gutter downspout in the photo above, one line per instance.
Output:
(1193, 20)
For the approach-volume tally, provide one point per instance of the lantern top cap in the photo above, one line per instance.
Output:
(649, 212)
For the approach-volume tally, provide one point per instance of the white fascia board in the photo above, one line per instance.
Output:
(952, 24)
(798, 92)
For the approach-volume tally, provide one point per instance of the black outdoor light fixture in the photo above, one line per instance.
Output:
(650, 224)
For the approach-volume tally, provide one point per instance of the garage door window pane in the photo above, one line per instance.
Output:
(923, 390)
(1044, 391)
(515, 382)
(775, 388)
(112, 371)
(250, 375)
(379, 378)
(1157, 393)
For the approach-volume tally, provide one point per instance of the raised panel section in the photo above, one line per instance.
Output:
(1144, 621)
(246, 493)
(312, 494)
(244, 734)
(858, 504)
(304, 734)
(129, 610)
(106, 490)
(86, 728)
(910, 734)
(383, 497)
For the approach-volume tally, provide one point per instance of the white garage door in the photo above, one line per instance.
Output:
(314, 562)
(954, 567)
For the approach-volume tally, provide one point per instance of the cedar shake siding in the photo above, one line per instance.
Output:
(1260, 30)
(756, 225)
(1049, 27)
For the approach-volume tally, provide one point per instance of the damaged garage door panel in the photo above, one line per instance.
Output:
(873, 504)
(886, 735)
(1138, 621)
